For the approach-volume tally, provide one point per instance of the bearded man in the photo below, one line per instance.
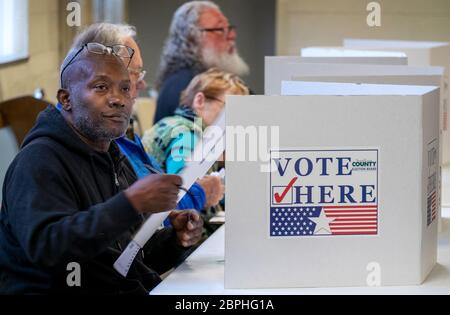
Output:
(200, 38)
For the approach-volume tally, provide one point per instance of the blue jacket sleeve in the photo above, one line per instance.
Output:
(135, 153)
(195, 198)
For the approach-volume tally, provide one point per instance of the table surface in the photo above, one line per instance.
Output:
(203, 273)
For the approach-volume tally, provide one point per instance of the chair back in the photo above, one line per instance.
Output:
(20, 114)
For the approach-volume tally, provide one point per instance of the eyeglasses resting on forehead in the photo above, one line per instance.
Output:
(223, 30)
(122, 51)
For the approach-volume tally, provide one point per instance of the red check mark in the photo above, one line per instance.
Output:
(279, 198)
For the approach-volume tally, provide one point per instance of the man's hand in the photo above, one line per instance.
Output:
(214, 189)
(154, 193)
(188, 225)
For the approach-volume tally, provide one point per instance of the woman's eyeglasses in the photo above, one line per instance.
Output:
(215, 99)
(122, 51)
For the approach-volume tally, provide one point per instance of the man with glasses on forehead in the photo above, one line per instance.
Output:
(71, 202)
(204, 193)
(200, 38)
(122, 51)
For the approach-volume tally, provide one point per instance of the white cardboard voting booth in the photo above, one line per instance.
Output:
(346, 55)
(275, 67)
(279, 70)
(420, 53)
(352, 194)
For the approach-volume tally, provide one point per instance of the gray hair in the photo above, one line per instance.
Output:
(182, 49)
(104, 33)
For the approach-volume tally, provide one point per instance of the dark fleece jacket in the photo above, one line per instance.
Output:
(63, 202)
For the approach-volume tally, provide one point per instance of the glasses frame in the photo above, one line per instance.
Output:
(141, 73)
(224, 30)
(106, 49)
(215, 99)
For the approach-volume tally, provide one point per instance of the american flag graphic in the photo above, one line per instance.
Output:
(431, 208)
(324, 220)
(353, 220)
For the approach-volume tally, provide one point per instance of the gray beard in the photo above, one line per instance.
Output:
(232, 63)
(93, 130)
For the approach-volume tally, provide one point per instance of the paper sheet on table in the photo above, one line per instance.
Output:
(206, 153)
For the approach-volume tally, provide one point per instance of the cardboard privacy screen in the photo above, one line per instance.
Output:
(278, 70)
(352, 189)
(420, 53)
(345, 55)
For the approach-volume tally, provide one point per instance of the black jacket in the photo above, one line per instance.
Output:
(62, 203)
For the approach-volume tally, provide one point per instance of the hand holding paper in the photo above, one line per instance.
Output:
(154, 193)
(188, 225)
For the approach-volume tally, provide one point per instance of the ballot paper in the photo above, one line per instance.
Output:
(207, 151)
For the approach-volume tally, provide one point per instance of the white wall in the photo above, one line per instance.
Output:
(302, 23)
(41, 68)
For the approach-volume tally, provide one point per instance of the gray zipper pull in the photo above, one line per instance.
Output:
(116, 180)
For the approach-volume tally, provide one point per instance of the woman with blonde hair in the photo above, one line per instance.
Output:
(173, 139)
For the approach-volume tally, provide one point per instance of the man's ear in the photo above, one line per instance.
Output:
(64, 99)
(199, 101)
